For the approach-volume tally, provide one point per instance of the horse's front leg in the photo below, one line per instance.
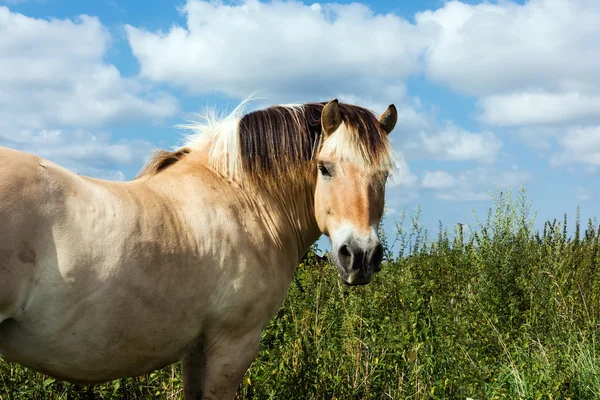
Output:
(221, 363)
(193, 367)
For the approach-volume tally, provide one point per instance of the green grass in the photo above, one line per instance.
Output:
(489, 311)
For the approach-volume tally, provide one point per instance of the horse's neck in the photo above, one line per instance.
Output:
(299, 210)
(289, 208)
(285, 208)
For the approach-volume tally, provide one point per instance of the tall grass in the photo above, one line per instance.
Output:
(489, 310)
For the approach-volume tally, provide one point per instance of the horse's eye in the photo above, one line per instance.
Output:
(324, 171)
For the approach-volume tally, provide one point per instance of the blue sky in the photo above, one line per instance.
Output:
(491, 95)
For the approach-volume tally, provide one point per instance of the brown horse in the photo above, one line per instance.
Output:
(101, 280)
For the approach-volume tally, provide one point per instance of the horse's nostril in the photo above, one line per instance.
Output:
(345, 251)
(346, 256)
(377, 256)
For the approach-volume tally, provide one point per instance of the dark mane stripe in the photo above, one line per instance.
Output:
(276, 132)
(161, 160)
(293, 133)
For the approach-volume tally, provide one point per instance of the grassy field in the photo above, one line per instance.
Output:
(490, 311)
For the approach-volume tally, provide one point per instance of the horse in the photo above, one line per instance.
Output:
(188, 261)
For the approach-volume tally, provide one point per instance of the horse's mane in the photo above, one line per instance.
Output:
(161, 160)
(270, 142)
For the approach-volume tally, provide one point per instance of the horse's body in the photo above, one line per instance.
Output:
(101, 280)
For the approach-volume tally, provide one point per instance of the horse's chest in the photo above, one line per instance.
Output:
(251, 298)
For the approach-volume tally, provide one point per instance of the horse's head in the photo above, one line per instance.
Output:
(353, 163)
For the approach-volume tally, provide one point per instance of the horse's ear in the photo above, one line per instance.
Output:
(331, 117)
(388, 119)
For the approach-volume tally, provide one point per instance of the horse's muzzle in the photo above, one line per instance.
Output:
(356, 263)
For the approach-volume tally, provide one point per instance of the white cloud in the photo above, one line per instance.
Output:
(579, 145)
(493, 48)
(527, 108)
(472, 185)
(532, 63)
(54, 83)
(453, 143)
(53, 75)
(284, 48)
(438, 180)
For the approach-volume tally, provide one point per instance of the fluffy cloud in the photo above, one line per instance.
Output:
(473, 184)
(519, 59)
(282, 48)
(452, 143)
(531, 63)
(54, 75)
(538, 108)
(54, 83)
(579, 145)
(505, 47)
(438, 180)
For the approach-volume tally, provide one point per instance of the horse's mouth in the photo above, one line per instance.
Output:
(354, 278)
